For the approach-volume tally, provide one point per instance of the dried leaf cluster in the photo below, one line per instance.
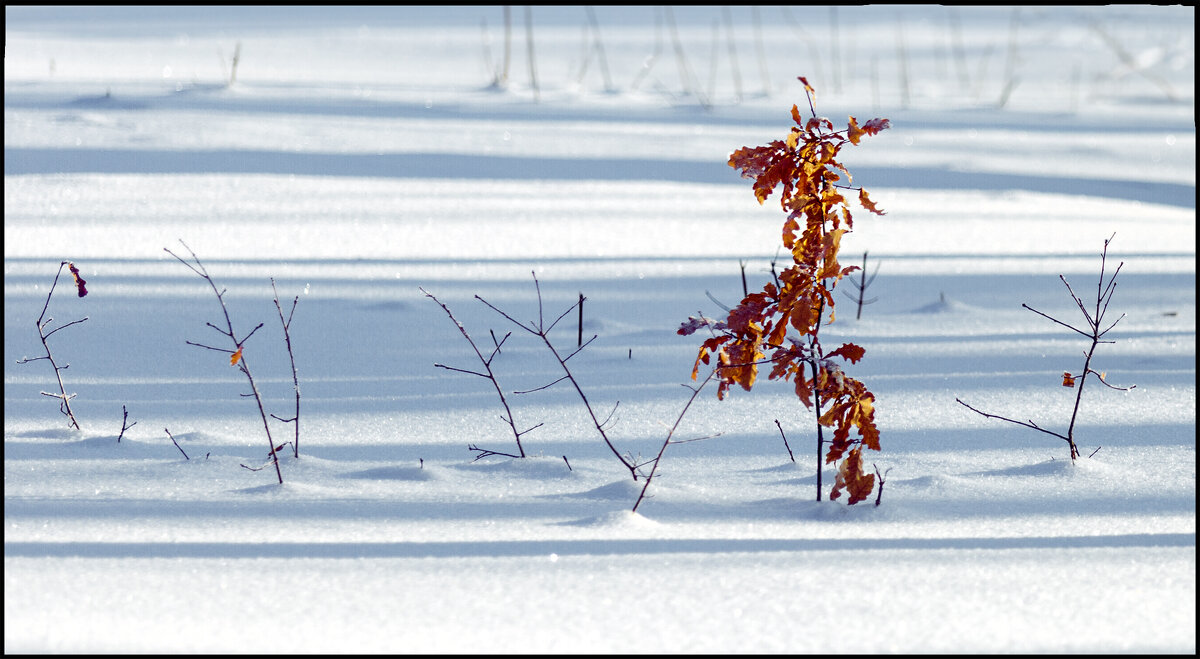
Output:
(780, 325)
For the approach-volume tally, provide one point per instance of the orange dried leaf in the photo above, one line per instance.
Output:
(235, 357)
(1068, 380)
(851, 478)
(867, 203)
(848, 351)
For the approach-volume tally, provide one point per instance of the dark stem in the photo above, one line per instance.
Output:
(200, 270)
(579, 341)
(185, 455)
(667, 442)
(63, 397)
(287, 338)
(785, 442)
(124, 425)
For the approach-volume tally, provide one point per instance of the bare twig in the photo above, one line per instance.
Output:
(42, 322)
(185, 455)
(484, 453)
(540, 330)
(862, 284)
(785, 442)
(670, 434)
(1027, 424)
(287, 338)
(239, 358)
(489, 375)
(879, 477)
(124, 425)
(1095, 319)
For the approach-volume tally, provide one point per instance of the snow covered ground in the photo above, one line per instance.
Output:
(363, 153)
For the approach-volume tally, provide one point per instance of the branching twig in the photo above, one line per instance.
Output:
(42, 322)
(238, 359)
(287, 338)
(485, 453)
(879, 495)
(1095, 319)
(862, 284)
(124, 426)
(541, 330)
(489, 375)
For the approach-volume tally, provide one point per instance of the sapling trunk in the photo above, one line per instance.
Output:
(815, 349)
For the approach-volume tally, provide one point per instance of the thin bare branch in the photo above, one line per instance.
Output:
(785, 441)
(1073, 329)
(670, 434)
(1029, 424)
(610, 414)
(201, 345)
(1079, 303)
(695, 439)
(63, 327)
(562, 315)
(576, 351)
(462, 370)
(124, 426)
(485, 453)
(1110, 327)
(717, 302)
(532, 329)
(42, 323)
(287, 339)
(185, 455)
(1104, 382)
(541, 388)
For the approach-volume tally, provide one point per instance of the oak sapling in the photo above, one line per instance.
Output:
(237, 355)
(1094, 333)
(42, 324)
(804, 167)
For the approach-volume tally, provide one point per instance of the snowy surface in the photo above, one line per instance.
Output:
(361, 154)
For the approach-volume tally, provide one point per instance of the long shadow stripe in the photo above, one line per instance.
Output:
(21, 161)
(525, 548)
